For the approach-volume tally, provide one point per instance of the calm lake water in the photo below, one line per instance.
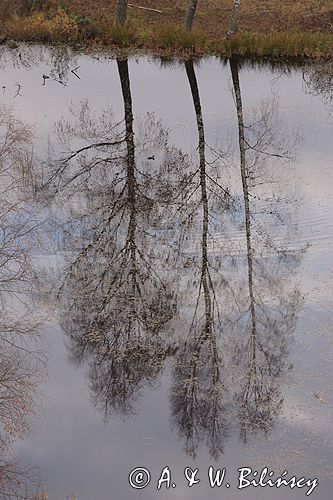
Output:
(183, 237)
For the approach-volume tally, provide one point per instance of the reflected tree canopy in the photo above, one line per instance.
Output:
(168, 265)
(21, 359)
(269, 306)
(198, 401)
(318, 80)
(121, 331)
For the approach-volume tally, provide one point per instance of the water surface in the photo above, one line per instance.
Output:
(185, 237)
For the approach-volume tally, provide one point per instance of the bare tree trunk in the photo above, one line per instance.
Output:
(252, 375)
(204, 196)
(121, 12)
(233, 27)
(191, 13)
(246, 195)
(131, 181)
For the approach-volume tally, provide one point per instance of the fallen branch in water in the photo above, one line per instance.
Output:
(144, 8)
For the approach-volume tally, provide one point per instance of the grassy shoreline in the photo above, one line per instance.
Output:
(91, 24)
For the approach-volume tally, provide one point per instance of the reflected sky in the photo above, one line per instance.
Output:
(78, 449)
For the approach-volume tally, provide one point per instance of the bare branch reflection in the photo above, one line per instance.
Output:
(166, 264)
(121, 331)
(22, 360)
(198, 392)
(318, 80)
(271, 312)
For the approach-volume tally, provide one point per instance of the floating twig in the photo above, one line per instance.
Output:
(45, 77)
(18, 89)
(74, 70)
(318, 396)
(61, 82)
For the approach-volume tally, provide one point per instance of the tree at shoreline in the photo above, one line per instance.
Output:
(121, 12)
(233, 26)
(191, 13)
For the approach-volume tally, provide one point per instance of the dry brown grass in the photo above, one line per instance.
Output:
(276, 27)
(213, 15)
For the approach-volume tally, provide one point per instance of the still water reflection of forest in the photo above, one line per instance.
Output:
(165, 267)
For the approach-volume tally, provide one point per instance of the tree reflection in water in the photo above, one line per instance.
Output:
(21, 358)
(318, 80)
(198, 392)
(270, 306)
(121, 331)
(136, 292)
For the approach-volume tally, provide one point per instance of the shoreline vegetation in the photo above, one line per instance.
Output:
(251, 28)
